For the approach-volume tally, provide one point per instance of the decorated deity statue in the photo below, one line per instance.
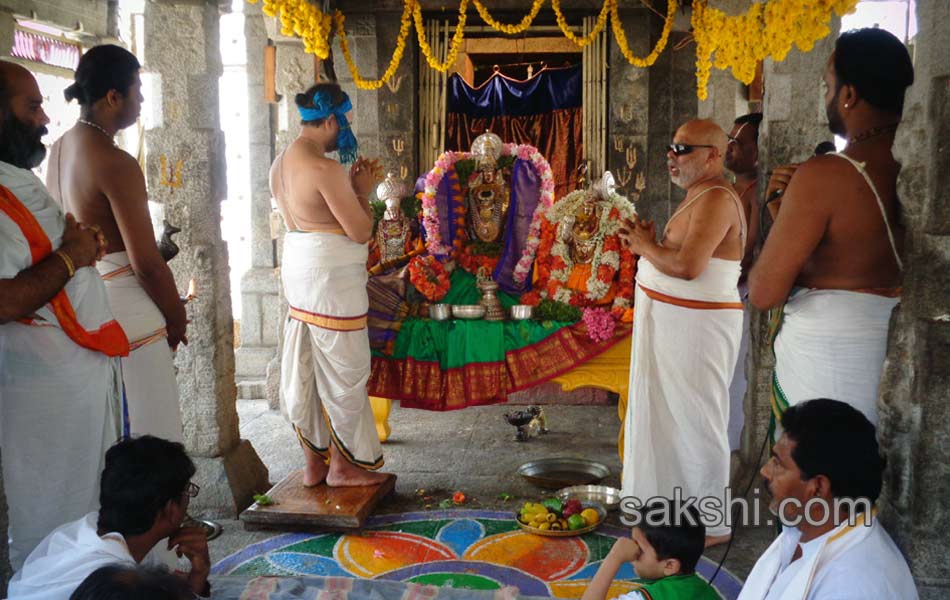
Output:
(580, 260)
(489, 197)
(397, 236)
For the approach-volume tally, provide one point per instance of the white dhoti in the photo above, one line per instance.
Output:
(148, 372)
(59, 381)
(685, 344)
(740, 383)
(326, 355)
(831, 344)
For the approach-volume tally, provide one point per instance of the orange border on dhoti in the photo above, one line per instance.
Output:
(327, 321)
(694, 304)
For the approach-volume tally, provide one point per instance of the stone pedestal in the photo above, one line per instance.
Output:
(185, 170)
(914, 402)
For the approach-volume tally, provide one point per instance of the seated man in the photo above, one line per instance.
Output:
(145, 491)
(123, 582)
(827, 459)
(664, 554)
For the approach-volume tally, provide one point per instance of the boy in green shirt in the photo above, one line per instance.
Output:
(665, 555)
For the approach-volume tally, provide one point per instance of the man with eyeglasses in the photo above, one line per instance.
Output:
(144, 498)
(687, 325)
(742, 158)
(831, 267)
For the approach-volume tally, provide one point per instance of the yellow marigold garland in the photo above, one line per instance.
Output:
(505, 27)
(766, 30)
(303, 19)
(371, 84)
(598, 26)
(457, 38)
(621, 37)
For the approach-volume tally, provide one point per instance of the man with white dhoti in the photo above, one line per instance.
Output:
(60, 403)
(825, 475)
(102, 184)
(326, 354)
(832, 257)
(686, 331)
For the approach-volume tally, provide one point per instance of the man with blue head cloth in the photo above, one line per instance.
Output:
(326, 354)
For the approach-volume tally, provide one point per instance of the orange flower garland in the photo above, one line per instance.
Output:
(428, 276)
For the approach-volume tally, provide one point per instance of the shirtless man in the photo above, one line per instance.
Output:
(833, 254)
(102, 184)
(326, 354)
(742, 158)
(686, 330)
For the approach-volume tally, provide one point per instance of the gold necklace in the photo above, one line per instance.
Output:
(99, 127)
(872, 132)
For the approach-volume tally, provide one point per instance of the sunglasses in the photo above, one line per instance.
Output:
(682, 149)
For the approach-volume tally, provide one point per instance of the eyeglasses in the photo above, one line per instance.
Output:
(682, 149)
(191, 490)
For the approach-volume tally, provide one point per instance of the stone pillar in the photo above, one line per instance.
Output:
(185, 171)
(915, 403)
(793, 123)
(628, 110)
(260, 286)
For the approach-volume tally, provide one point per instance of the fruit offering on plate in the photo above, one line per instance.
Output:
(553, 515)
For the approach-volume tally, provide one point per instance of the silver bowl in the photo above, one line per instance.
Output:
(556, 473)
(608, 497)
(520, 312)
(440, 312)
(468, 311)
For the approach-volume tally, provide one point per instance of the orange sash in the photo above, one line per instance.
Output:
(109, 339)
(694, 304)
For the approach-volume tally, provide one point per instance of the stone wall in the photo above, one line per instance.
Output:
(915, 401)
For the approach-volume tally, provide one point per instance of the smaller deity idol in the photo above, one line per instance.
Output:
(396, 239)
(582, 236)
(488, 195)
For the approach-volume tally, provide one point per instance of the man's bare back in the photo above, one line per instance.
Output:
(79, 190)
(314, 193)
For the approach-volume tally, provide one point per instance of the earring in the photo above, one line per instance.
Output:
(846, 105)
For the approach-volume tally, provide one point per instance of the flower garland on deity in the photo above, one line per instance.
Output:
(429, 277)
(464, 253)
(610, 260)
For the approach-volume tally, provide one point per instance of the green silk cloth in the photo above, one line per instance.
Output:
(455, 343)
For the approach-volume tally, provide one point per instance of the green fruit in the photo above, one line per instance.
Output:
(576, 522)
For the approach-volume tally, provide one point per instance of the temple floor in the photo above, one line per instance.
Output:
(472, 451)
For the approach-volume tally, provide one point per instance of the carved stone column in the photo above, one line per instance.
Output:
(185, 171)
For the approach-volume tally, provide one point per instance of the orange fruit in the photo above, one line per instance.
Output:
(590, 516)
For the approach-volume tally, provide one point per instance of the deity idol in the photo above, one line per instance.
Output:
(397, 237)
(489, 197)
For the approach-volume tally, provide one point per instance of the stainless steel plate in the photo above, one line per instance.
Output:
(211, 528)
(556, 473)
(608, 497)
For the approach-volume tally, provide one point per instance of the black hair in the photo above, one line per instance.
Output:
(683, 540)
(877, 64)
(132, 582)
(836, 440)
(305, 100)
(824, 148)
(754, 119)
(101, 69)
(141, 475)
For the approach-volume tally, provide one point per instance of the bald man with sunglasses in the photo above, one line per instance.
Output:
(687, 328)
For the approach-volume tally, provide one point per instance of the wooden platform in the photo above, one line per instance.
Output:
(316, 509)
